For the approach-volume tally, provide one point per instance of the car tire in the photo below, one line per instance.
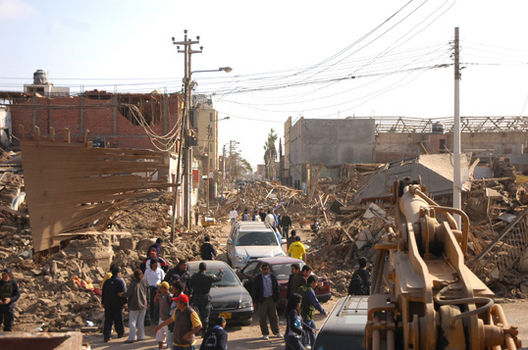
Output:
(247, 322)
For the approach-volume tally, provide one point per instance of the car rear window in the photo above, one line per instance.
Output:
(281, 271)
(256, 238)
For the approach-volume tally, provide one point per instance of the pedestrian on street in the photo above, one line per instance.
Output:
(154, 277)
(308, 306)
(295, 280)
(270, 219)
(9, 294)
(154, 256)
(291, 238)
(207, 250)
(255, 216)
(266, 296)
(277, 221)
(285, 223)
(179, 273)
(233, 215)
(157, 247)
(306, 271)
(297, 250)
(137, 295)
(262, 215)
(163, 298)
(196, 217)
(113, 301)
(216, 337)
(360, 281)
(245, 215)
(201, 286)
(186, 324)
(176, 290)
(295, 330)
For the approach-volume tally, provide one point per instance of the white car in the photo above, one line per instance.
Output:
(251, 240)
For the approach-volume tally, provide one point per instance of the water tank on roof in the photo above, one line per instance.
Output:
(40, 77)
(438, 128)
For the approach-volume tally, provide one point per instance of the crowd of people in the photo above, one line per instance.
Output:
(179, 305)
(173, 300)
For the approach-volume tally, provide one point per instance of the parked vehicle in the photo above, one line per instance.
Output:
(344, 328)
(250, 240)
(281, 268)
(229, 298)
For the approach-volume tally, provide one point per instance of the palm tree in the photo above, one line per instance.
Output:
(270, 154)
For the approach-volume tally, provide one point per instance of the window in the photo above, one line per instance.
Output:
(251, 268)
(256, 238)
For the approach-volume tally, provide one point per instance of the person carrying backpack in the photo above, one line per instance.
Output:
(215, 338)
(360, 282)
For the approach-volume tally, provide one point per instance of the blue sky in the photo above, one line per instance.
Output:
(272, 44)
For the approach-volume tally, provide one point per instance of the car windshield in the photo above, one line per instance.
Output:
(256, 238)
(281, 271)
(229, 279)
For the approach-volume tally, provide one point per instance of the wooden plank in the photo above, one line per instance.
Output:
(70, 185)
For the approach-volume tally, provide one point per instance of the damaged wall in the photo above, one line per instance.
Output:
(331, 141)
(394, 146)
(74, 187)
(104, 114)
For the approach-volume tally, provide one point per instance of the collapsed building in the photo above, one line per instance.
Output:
(324, 147)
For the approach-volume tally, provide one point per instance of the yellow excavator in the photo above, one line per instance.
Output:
(424, 297)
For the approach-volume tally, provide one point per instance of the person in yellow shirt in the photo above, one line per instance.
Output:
(297, 249)
(186, 324)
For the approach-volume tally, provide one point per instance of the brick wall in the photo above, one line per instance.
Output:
(101, 116)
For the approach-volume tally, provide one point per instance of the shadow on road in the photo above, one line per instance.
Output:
(257, 343)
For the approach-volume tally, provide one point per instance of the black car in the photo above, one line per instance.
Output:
(344, 328)
(229, 298)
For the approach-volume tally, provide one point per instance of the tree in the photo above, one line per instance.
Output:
(240, 165)
(270, 154)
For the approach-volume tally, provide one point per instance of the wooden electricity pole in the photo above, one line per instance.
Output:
(187, 150)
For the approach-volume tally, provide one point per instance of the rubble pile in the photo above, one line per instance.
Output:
(346, 233)
(50, 296)
(59, 289)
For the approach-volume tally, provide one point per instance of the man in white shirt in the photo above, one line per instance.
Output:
(233, 215)
(270, 219)
(153, 276)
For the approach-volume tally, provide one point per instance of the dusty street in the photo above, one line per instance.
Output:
(240, 337)
(249, 337)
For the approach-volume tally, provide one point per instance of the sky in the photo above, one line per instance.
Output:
(311, 59)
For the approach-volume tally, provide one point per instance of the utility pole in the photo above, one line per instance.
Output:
(223, 168)
(232, 164)
(209, 131)
(187, 150)
(457, 181)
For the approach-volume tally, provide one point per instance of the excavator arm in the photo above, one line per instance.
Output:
(424, 296)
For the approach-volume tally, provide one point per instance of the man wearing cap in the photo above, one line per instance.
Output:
(163, 298)
(112, 299)
(156, 246)
(186, 324)
(201, 286)
(176, 290)
(9, 294)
